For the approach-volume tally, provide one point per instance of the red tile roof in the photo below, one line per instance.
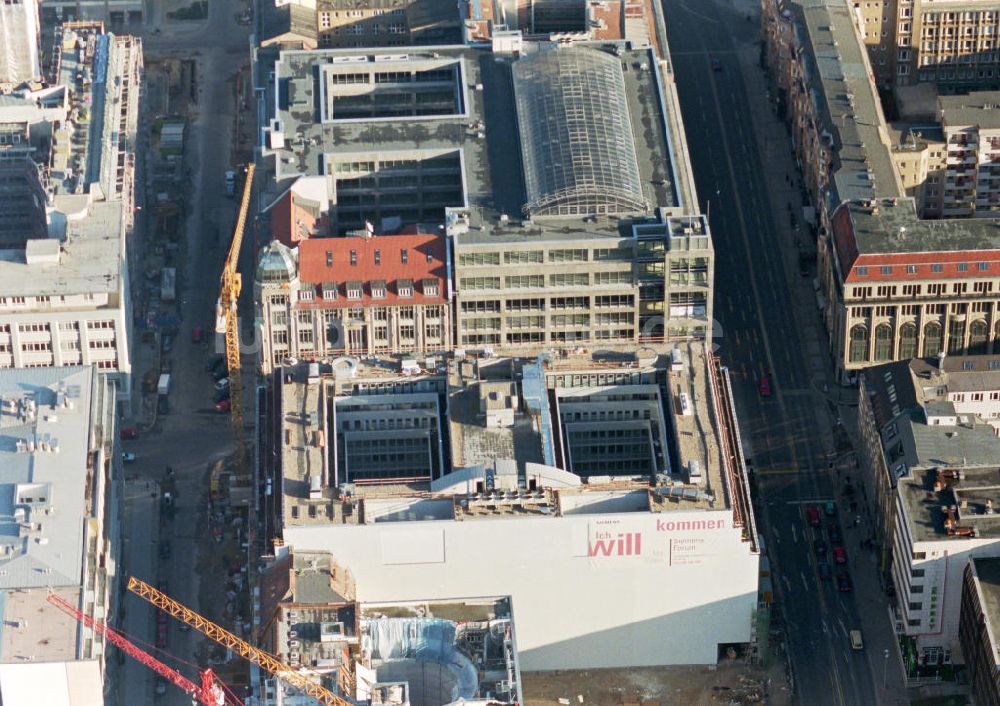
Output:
(291, 223)
(425, 259)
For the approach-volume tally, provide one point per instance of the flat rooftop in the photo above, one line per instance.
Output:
(971, 497)
(988, 580)
(978, 108)
(463, 100)
(88, 257)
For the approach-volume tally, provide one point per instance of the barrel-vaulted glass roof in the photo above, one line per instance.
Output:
(577, 145)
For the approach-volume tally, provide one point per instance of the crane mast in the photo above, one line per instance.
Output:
(227, 320)
(244, 649)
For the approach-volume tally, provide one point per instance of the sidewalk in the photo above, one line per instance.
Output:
(833, 404)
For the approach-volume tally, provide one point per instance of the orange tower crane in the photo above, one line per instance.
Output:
(244, 649)
(227, 320)
(211, 692)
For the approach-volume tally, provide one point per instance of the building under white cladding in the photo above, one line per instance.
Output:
(602, 578)
(655, 567)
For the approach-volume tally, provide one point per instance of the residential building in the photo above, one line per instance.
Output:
(289, 25)
(19, 43)
(353, 295)
(951, 44)
(892, 285)
(980, 627)
(64, 289)
(876, 21)
(421, 652)
(62, 534)
(919, 154)
(669, 519)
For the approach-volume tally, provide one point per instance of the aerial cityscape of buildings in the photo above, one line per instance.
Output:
(366, 352)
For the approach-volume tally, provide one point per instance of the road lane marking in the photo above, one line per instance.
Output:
(795, 535)
(805, 584)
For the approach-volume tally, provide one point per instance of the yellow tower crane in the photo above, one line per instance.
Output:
(244, 649)
(227, 321)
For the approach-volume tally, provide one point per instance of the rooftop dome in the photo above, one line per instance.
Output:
(277, 263)
(576, 137)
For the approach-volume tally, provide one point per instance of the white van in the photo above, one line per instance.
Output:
(856, 642)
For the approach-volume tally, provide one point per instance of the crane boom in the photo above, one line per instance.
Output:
(227, 321)
(208, 693)
(244, 649)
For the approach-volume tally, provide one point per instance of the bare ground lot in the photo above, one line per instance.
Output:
(732, 683)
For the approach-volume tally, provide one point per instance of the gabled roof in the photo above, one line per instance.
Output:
(393, 259)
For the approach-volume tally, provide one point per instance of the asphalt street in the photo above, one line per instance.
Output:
(769, 325)
(193, 434)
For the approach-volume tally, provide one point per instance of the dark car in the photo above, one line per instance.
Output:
(214, 362)
(161, 630)
(168, 343)
(716, 65)
(164, 550)
(844, 584)
(825, 572)
(835, 536)
(820, 547)
(162, 405)
(221, 395)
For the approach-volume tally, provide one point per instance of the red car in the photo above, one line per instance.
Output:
(196, 334)
(223, 406)
(764, 386)
(839, 555)
(812, 514)
(128, 433)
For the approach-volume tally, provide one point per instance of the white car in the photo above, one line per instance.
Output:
(128, 457)
(222, 384)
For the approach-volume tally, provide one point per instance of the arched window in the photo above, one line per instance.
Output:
(956, 337)
(979, 335)
(907, 341)
(883, 343)
(858, 352)
(933, 339)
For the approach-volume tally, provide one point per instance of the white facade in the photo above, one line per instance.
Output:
(935, 569)
(590, 589)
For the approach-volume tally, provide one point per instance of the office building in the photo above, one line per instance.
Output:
(661, 518)
(69, 208)
(980, 627)
(19, 43)
(354, 295)
(929, 453)
(62, 494)
(558, 242)
(891, 285)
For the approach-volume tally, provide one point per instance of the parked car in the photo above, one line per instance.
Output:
(163, 405)
(839, 555)
(223, 406)
(221, 395)
(161, 686)
(716, 65)
(820, 547)
(830, 508)
(835, 536)
(196, 334)
(764, 386)
(128, 457)
(168, 343)
(825, 572)
(812, 514)
(844, 584)
(222, 384)
(128, 433)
